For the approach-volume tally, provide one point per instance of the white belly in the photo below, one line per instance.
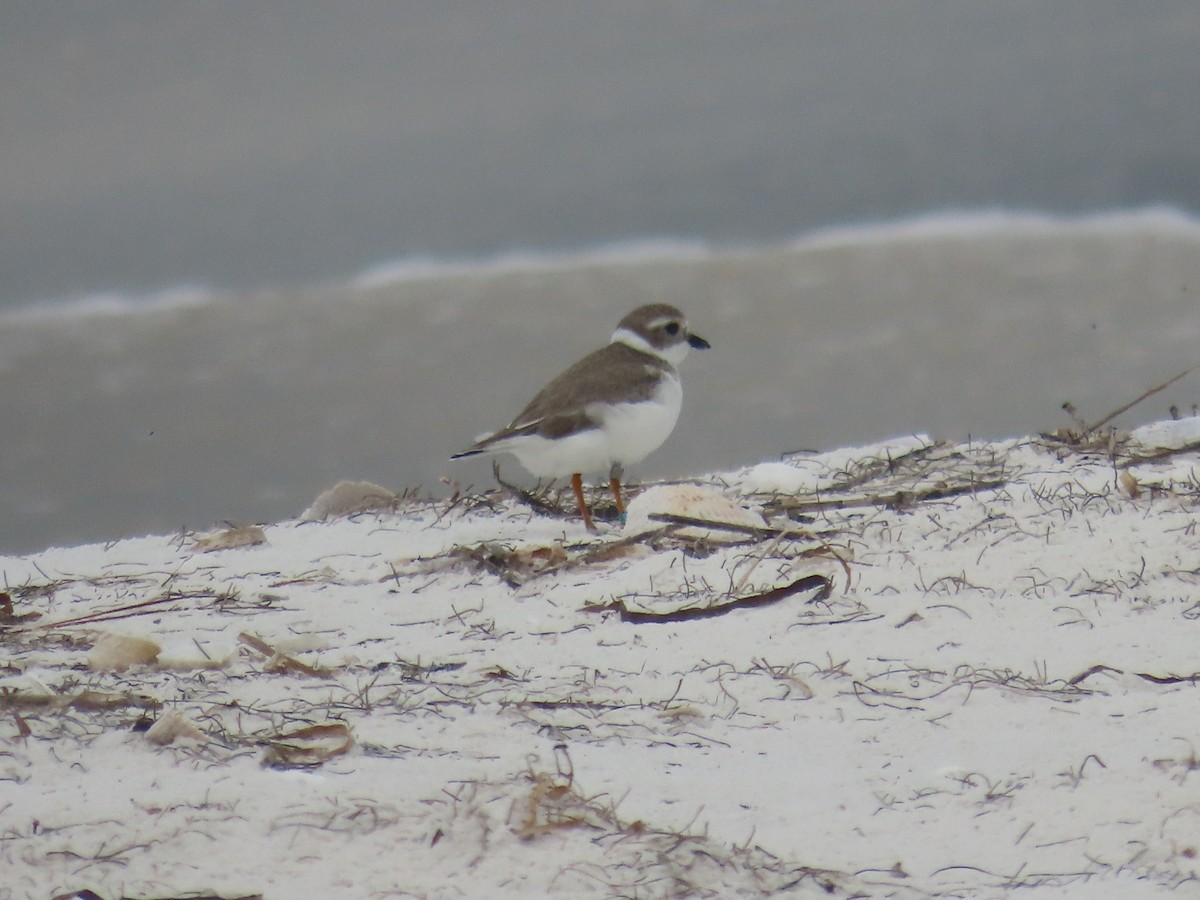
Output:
(629, 432)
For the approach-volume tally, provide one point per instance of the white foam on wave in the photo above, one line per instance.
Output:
(945, 225)
(109, 304)
(950, 224)
(612, 254)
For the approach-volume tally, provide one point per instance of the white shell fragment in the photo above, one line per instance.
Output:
(347, 498)
(309, 746)
(117, 652)
(173, 726)
(231, 538)
(692, 502)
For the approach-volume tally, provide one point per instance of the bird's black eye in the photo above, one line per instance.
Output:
(672, 328)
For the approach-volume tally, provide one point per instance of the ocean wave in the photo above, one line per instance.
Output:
(940, 225)
(110, 304)
(613, 254)
(934, 226)
(974, 224)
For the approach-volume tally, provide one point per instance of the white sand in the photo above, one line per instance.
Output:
(994, 701)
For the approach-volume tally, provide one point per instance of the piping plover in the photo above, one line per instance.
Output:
(610, 409)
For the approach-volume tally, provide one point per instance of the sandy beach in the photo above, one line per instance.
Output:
(910, 669)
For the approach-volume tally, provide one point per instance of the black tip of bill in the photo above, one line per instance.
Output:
(698, 342)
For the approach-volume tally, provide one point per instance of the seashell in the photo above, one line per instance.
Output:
(117, 652)
(347, 498)
(691, 501)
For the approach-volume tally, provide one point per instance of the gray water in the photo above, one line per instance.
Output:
(245, 146)
(123, 418)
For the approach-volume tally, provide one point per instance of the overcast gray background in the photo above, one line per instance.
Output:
(243, 144)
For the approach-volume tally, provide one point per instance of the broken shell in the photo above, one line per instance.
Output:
(117, 652)
(691, 501)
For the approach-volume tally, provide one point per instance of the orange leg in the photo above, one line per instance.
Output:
(577, 486)
(615, 474)
(615, 484)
